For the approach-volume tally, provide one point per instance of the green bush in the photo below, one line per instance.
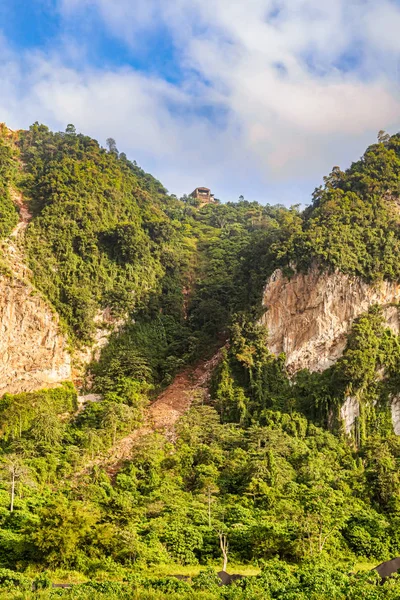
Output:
(10, 580)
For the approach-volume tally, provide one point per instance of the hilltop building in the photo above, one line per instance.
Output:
(203, 194)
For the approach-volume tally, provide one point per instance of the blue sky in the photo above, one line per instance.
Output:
(259, 98)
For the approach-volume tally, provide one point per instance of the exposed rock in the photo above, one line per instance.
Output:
(392, 320)
(105, 324)
(309, 315)
(349, 412)
(84, 401)
(33, 351)
(88, 399)
(388, 568)
(395, 408)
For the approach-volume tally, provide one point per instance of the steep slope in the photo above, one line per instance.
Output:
(346, 255)
(100, 238)
(109, 250)
(33, 350)
(190, 384)
(309, 315)
(109, 483)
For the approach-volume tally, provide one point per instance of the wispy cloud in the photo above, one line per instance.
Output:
(269, 92)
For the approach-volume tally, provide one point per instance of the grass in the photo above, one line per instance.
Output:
(365, 565)
(192, 570)
(162, 570)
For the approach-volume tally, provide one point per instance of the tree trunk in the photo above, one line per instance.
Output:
(12, 491)
(223, 543)
(209, 507)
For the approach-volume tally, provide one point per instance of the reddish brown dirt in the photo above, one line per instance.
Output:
(164, 412)
(177, 398)
(24, 214)
(12, 247)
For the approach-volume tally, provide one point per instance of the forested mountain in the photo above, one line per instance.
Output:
(266, 466)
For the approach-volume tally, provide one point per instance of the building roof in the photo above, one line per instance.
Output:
(202, 193)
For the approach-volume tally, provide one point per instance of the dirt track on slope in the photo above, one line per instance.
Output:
(163, 413)
(12, 247)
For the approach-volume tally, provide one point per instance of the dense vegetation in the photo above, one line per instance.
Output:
(276, 485)
(353, 223)
(8, 212)
(265, 465)
(251, 381)
(99, 236)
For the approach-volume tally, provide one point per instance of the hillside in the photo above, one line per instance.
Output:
(176, 377)
(309, 315)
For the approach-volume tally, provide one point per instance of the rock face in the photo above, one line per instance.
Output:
(349, 412)
(33, 351)
(309, 315)
(395, 408)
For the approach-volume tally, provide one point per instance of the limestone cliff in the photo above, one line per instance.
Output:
(33, 351)
(309, 315)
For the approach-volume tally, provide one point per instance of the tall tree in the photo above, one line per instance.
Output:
(14, 471)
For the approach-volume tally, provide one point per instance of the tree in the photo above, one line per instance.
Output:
(224, 545)
(15, 471)
(325, 512)
(70, 129)
(93, 442)
(47, 428)
(383, 137)
(118, 418)
(206, 476)
(16, 415)
(112, 146)
(64, 526)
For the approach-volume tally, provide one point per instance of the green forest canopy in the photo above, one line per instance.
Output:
(267, 462)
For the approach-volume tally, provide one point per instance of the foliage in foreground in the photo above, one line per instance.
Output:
(277, 581)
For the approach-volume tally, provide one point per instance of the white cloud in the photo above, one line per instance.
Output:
(382, 25)
(152, 120)
(302, 84)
